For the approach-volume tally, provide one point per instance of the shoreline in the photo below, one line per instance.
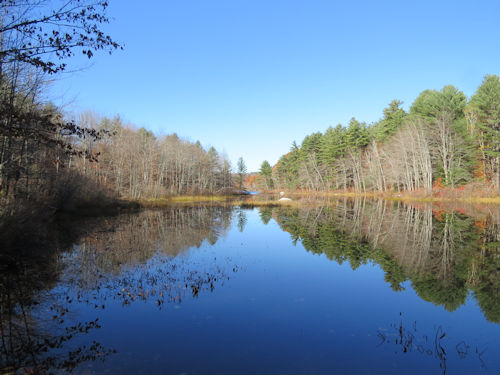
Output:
(307, 199)
(264, 199)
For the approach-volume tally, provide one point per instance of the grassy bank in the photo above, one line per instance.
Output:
(301, 198)
(26, 211)
(179, 200)
(271, 199)
(479, 196)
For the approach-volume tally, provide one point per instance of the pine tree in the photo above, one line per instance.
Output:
(485, 124)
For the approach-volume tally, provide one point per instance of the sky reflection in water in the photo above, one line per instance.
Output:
(373, 289)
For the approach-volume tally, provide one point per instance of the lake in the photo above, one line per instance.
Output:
(349, 287)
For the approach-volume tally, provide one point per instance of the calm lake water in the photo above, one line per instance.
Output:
(348, 288)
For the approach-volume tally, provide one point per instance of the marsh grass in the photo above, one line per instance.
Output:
(179, 200)
(201, 198)
(467, 194)
(312, 199)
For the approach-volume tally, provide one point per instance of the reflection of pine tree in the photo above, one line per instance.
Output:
(487, 278)
(242, 220)
(440, 253)
(265, 214)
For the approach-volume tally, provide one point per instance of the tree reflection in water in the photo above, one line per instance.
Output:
(120, 260)
(444, 254)
(125, 258)
(33, 328)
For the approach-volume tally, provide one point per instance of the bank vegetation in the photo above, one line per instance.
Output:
(51, 160)
(445, 145)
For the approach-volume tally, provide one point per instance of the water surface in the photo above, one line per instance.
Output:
(352, 287)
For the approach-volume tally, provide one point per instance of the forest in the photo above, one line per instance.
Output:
(137, 164)
(61, 161)
(88, 276)
(444, 140)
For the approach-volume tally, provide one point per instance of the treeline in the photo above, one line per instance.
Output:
(63, 163)
(44, 156)
(137, 164)
(444, 140)
(35, 141)
(62, 160)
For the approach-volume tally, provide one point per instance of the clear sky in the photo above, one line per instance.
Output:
(251, 76)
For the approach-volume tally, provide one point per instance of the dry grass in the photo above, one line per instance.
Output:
(489, 200)
(466, 194)
(183, 199)
(269, 203)
(224, 200)
(317, 198)
(201, 198)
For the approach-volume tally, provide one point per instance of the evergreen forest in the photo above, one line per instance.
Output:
(444, 140)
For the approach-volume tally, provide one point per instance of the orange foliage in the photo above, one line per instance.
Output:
(480, 224)
(438, 184)
(479, 171)
(438, 214)
(251, 181)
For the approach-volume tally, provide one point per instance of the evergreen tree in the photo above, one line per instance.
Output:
(442, 113)
(242, 170)
(392, 121)
(485, 108)
(266, 174)
(332, 145)
(311, 145)
(357, 135)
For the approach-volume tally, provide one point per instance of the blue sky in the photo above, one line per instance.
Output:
(250, 77)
